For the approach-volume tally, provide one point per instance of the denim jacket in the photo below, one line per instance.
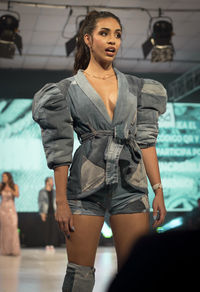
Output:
(109, 148)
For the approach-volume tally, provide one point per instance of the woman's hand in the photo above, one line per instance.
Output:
(150, 159)
(159, 210)
(65, 219)
(63, 213)
(43, 216)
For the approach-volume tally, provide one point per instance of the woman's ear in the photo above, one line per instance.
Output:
(87, 40)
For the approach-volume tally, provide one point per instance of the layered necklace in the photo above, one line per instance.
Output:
(98, 77)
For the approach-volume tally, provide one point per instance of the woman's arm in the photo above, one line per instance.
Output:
(16, 191)
(152, 169)
(63, 212)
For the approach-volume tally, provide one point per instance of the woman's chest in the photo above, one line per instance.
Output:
(101, 105)
(108, 92)
(6, 195)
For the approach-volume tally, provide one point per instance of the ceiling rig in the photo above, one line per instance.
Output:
(61, 6)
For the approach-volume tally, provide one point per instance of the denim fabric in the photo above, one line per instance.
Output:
(112, 155)
(130, 205)
(74, 105)
(78, 278)
(51, 112)
(151, 104)
(114, 199)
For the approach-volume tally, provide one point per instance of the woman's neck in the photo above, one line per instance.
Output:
(99, 69)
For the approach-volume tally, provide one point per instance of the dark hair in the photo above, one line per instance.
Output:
(10, 181)
(47, 179)
(82, 56)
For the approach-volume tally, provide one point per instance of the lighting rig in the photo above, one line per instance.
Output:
(159, 39)
(9, 37)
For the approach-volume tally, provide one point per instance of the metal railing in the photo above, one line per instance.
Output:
(187, 84)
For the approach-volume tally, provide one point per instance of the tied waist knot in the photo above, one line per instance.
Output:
(117, 138)
(119, 134)
(95, 134)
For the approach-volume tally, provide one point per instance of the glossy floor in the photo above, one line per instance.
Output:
(39, 271)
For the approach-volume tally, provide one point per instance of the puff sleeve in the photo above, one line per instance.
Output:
(51, 111)
(151, 104)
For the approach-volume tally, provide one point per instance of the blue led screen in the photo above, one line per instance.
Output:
(178, 149)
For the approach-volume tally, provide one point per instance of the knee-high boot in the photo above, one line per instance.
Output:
(78, 278)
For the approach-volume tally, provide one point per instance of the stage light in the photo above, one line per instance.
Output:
(9, 38)
(106, 231)
(159, 41)
(174, 223)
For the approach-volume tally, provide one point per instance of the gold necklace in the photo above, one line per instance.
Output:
(98, 77)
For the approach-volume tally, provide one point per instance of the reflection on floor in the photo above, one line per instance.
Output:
(37, 270)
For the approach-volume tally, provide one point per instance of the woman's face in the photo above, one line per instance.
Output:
(105, 41)
(4, 178)
(50, 182)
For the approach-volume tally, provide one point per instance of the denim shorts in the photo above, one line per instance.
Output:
(114, 199)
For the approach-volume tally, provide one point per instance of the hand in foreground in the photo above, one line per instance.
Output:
(65, 219)
(159, 210)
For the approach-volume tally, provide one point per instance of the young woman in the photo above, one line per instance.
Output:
(115, 117)
(9, 237)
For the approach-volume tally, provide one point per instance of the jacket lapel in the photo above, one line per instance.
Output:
(126, 102)
(92, 94)
(123, 106)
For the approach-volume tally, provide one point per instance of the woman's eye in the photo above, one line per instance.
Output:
(118, 35)
(103, 33)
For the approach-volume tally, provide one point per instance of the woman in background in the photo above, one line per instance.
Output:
(9, 237)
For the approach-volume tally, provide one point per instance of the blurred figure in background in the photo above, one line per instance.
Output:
(9, 237)
(47, 208)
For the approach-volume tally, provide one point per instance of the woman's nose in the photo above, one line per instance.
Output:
(111, 41)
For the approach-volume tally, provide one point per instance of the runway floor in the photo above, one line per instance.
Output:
(39, 271)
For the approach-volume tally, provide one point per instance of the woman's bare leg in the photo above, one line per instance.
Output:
(83, 242)
(127, 228)
(81, 250)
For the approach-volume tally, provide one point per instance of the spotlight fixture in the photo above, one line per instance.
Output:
(9, 38)
(159, 41)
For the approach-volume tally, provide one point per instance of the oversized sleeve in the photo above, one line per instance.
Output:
(51, 111)
(151, 104)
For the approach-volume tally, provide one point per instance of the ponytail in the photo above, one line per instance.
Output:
(82, 55)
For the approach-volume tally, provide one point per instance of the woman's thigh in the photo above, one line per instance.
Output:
(83, 242)
(127, 228)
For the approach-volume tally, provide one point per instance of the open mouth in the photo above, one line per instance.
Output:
(110, 51)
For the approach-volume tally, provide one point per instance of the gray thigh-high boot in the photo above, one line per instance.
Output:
(78, 278)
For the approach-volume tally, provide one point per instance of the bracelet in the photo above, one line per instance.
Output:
(157, 186)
